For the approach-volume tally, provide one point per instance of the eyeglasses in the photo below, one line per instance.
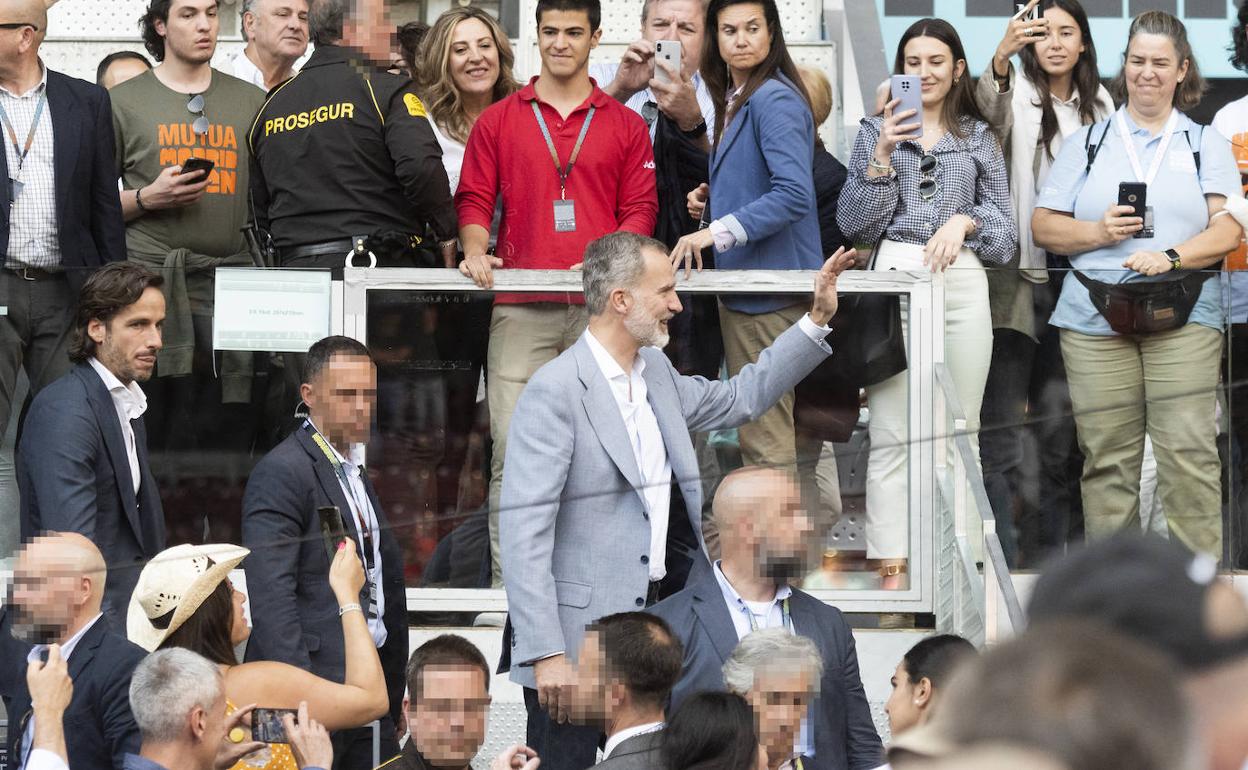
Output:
(929, 185)
(650, 113)
(195, 106)
(18, 25)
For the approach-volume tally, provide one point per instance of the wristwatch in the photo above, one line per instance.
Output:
(696, 131)
(1176, 263)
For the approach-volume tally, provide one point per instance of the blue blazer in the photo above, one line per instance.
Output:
(89, 226)
(293, 610)
(73, 476)
(845, 736)
(762, 188)
(99, 726)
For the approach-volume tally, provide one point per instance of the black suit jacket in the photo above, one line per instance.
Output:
(74, 476)
(99, 726)
(294, 613)
(845, 736)
(90, 228)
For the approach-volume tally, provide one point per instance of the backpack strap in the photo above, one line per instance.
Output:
(1093, 150)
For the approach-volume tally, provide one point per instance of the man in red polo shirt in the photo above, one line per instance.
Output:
(571, 164)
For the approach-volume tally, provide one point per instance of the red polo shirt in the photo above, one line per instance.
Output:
(612, 183)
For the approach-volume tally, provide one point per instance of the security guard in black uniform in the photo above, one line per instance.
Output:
(344, 161)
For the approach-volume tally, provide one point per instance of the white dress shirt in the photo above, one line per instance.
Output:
(130, 403)
(245, 69)
(47, 759)
(623, 735)
(646, 440)
(33, 238)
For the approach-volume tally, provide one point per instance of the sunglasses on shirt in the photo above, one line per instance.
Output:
(929, 185)
(195, 106)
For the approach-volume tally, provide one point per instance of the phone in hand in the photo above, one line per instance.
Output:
(668, 52)
(333, 531)
(198, 165)
(266, 725)
(909, 91)
(1021, 12)
(1135, 195)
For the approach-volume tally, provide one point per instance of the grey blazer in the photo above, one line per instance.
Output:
(641, 752)
(574, 532)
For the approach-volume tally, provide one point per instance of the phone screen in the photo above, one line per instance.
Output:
(266, 725)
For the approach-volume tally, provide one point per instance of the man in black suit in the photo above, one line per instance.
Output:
(763, 534)
(82, 461)
(61, 211)
(57, 588)
(320, 465)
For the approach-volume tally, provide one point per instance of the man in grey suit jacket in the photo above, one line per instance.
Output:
(599, 458)
(764, 536)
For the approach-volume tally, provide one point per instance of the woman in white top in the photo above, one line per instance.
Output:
(1057, 92)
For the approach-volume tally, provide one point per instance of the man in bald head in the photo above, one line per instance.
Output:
(765, 539)
(58, 584)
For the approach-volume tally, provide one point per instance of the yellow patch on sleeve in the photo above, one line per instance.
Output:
(415, 107)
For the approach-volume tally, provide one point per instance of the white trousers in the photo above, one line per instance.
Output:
(968, 353)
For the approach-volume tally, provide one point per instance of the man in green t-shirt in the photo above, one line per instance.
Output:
(185, 223)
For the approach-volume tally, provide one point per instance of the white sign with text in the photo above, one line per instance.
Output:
(270, 310)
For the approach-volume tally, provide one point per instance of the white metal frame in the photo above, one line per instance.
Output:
(926, 349)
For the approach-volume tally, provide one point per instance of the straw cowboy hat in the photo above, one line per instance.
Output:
(173, 585)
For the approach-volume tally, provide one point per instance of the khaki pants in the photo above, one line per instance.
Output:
(523, 338)
(769, 439)
(1163, 385)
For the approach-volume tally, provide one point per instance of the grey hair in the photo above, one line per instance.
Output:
(770, 649)
(614, 261)
(325, 18)
(166, 686)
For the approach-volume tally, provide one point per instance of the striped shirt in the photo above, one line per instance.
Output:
(32, 217)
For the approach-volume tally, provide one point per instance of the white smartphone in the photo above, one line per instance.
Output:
(667, 51)
(909, 91)
(1021, 12)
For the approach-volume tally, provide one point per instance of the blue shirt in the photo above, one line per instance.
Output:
(1177, 196)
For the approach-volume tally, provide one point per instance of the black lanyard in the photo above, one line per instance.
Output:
(563, 173)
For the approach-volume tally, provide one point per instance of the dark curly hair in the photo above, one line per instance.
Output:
(108, 291)
(1239, 39)
(153, 41)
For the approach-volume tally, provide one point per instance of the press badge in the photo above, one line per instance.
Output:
(565, 217)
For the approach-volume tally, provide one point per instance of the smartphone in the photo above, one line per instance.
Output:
(197, 165)
(1135, 195)
(333, 531)
(266, 725)
(669, 52)
(908, 89)
(1021, 12)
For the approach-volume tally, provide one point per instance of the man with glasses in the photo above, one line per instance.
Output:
(181, 156)
(60, 208)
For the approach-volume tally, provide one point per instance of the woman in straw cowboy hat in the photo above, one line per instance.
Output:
(184, 599)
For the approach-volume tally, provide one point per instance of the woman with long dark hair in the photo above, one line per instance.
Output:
(930, 190)
(762, 208)
(713, 731)
(1058, 91)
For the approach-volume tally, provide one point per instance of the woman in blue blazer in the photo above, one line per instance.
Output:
(761, 206)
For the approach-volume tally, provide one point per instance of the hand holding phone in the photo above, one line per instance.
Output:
(1135, 195)
(266, 725)
(198, 166)
(669, 52)
(333, 531)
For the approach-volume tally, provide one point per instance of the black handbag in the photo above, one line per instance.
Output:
(876, 346)
(1145, 307)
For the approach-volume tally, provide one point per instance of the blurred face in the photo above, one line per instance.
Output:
(653, 302)
(48, 594)
(239, 630)
(1059, 51)
(565, 40)
(933, 62)
(1152, 71)
(447, 721)
(744, 38)
(903, 712)
(590, 695)
(784, 530)
(128, 343)
(279, 27)
(780, 698)
(681, 20)
(473, 60)
(190, 33)
(122, 70)
(368, 29)
(340, 401)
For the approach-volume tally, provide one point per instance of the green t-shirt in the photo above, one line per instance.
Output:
(154, 130)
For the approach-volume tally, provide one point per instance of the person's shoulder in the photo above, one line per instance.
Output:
(806, 605)
(135, 90)
(288, 455)
(674, 606)
(233, 88)
(67, 391)
(82, 88)
(119, 652)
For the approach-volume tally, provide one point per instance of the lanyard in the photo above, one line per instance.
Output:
(550, 145)
(1129, 146)
(357, 508)
(784, 612)
(22, 152)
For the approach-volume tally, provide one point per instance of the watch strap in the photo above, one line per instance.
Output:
(1176, 262)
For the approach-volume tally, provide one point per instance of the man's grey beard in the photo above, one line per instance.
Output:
(647, 331)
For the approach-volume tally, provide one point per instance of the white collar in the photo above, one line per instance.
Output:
(356, 453)
(734, 599)
(611, 368)
(131, 395)
(67, 648)
(631, 732)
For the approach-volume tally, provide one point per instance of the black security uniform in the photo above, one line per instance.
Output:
(341, 151)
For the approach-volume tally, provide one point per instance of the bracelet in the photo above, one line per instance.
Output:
(138, 199)
(876, 166)
(344, 609)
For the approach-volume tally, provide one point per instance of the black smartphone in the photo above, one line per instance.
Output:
(197, 165)
(266, 725)
(1135, 195)
(333, 531)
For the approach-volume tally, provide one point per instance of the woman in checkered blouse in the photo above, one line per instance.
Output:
(930, 191)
